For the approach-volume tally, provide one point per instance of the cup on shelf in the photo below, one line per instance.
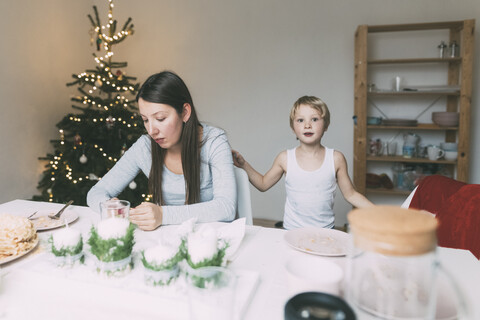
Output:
(435, 153)
(451, 155)
(310, 273)
(421, 151)
(397, 84)
(392, 148)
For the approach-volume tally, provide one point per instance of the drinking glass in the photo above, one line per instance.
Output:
(115, 208)
(211, 293)
(392, 148)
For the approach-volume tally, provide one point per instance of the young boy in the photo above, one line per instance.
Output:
(311, 170)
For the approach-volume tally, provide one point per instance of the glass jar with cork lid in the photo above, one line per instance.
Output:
(392, 267)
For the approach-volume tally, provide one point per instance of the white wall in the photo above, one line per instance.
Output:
(245, 62)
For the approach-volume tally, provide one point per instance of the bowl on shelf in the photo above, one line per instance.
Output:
(449, 146)
(374, 120)
(446, 119)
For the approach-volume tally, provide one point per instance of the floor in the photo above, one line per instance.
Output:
(271, 224)
(264, 223)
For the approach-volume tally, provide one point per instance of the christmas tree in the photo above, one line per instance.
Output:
(91, 141)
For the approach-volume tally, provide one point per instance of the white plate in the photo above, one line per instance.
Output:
(42, 222)
(21, 254)
(318, 241)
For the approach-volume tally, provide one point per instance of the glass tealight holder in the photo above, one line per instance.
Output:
(115, 208)
(161, 277)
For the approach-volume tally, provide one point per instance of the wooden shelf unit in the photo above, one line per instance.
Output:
(459, 74)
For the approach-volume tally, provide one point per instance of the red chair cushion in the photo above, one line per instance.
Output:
(433, 191)
(459, 220)
(457, 208)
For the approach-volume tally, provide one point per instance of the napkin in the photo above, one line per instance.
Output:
(233, 233)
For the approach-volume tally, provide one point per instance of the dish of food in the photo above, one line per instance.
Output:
(318, 241)
(42, 222)
(4, 260)
(17, 237)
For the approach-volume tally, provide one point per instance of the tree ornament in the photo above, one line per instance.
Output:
(109, 122)
(83, 159)
(93, 177)
(77, 140)
(91, 32)
(119, 75)
(132, 185)
(49, 190)
(98, 83)
(99, 42)
(124, 148)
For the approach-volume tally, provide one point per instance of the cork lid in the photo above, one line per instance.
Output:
(393, 230)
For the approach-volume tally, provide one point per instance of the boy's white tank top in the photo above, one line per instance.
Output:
(310, 194)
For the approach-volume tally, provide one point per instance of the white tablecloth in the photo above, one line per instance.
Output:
(33, 287)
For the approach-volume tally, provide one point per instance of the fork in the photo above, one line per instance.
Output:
(30, 216)
(59, 213)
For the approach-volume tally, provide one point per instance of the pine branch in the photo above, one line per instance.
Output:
(91, 21)
(126, 24)
(79, 108)
(96, 15)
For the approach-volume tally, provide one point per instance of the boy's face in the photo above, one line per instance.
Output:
(308, 125)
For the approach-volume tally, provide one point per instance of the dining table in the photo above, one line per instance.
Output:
(33, 287)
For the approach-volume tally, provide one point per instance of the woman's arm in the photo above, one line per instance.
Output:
(271, 177)
(355, 198)
(224, 203)
(136, 158)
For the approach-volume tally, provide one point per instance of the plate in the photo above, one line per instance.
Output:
(318, 241)
(42, 222)
(21, 254)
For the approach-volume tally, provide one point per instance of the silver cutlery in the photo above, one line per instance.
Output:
(59, 213)
(30, 216)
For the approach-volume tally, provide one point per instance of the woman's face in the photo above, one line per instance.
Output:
(163, 123)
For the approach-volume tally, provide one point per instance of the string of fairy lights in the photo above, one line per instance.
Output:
(109, 83)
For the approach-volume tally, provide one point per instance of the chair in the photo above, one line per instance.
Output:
(244, 203)
(457, 207)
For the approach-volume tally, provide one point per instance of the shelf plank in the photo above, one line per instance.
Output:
(413, 93)
(388, 191)
(415, 60)
(420, 126)
(402, 159)
(454, 25)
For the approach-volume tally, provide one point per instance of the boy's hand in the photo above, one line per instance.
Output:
(238, 160)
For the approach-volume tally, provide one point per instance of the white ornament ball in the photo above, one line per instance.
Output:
(132, 185)
(83, 158)
(49, 190)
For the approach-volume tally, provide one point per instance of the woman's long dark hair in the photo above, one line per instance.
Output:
(168, 88)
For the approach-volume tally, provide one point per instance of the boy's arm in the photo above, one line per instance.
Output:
(259, 181)
(355, 198)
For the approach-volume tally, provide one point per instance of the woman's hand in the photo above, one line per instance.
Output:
(147, 216)
(238, 160)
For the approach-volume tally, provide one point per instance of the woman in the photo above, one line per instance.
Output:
(189, 164)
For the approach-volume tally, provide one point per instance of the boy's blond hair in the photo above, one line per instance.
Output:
(315, 103)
